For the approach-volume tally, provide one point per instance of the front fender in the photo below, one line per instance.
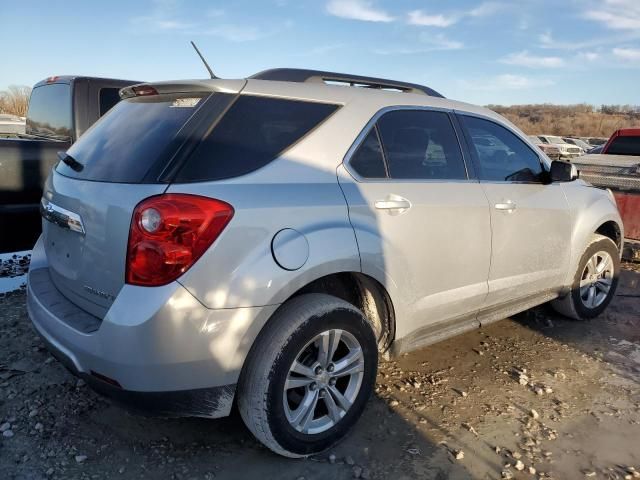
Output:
(590, 208)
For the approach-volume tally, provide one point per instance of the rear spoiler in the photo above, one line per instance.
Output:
(187, 86)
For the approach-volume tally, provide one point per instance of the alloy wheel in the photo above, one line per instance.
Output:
(323, 382)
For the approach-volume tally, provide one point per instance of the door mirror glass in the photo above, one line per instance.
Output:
(563, 171)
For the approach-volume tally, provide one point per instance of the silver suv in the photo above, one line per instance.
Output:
(263, 240)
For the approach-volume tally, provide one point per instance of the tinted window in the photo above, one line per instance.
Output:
(421, 145)
(254, 131)
(501, 155)
(50, 111)
(124, 144)
(108, 98)
(625, 146)
(368, 161)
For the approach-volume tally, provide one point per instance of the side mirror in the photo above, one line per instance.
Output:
(563, 171)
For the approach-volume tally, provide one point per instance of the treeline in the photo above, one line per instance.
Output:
(15, 100)
(580, 120)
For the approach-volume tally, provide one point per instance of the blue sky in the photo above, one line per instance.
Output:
(508, 52)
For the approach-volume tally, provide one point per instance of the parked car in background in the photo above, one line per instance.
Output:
(584, 146)
(263, 239)
(11, 125)
(567, 151)
(596, 149)
(595, 141)
(552, 151)
(60, 110)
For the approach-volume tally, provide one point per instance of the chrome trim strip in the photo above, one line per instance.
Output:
(61, 216)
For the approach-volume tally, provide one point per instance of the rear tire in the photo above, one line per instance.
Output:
(308, 376)
(595, 282)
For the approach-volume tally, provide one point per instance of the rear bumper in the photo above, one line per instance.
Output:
(153, 342)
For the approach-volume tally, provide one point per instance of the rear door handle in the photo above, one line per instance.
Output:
(393, 202)
(507, 206)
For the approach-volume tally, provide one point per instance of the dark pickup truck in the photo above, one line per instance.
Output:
(60, 110)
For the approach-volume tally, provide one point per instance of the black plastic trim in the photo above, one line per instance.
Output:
(303, 75)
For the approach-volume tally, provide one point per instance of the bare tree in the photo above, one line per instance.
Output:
(15, 100)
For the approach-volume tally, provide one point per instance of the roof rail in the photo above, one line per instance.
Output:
(301, 75)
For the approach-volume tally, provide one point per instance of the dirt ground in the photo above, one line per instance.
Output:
(535, 396)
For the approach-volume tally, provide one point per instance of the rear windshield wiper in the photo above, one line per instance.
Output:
(71, 162)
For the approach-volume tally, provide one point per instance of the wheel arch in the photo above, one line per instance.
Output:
(362, 291)
(365, 293)
(612, 230)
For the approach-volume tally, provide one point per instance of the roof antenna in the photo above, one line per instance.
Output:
(203, 61)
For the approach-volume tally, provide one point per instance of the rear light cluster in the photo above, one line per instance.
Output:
(169, 233)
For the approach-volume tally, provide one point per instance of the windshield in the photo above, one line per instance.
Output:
(50, 111)
(555, 140)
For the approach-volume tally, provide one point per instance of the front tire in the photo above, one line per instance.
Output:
(308, 376)
(595, 282)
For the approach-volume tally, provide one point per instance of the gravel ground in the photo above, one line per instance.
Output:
(535, 396)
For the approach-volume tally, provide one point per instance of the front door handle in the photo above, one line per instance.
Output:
(393, 202)
(507, 206)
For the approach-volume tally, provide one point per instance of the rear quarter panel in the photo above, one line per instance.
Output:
(239, 269)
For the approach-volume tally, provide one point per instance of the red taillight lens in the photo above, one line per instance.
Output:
(169, 233)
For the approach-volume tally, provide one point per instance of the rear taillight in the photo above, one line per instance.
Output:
(169, 233)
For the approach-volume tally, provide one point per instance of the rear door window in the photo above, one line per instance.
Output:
(368, 161)
(253, 132)
(500, 154)
(421, 145)
(624, 146)
(136, 133)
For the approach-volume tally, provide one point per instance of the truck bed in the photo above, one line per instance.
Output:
(26, 163)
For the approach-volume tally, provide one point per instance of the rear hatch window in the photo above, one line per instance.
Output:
(49, 112)
(254, 131)
(625, 146)
(131, 138)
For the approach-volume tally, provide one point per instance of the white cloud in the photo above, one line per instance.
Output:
(627, 54)
(589, 56)
(616, 14)
(506, 81)
(428, 43)
(424, 19)
(162, 17)
(548, 41)
(519, 82)
(236, 33)
(524, 59)
(486, 8)
(440, 42)
(320, 50)
(418, 17)
(358, 10)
